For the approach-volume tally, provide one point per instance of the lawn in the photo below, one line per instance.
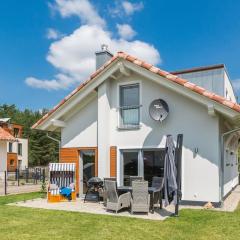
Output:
(25, 223)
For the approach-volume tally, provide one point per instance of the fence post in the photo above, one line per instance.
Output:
(18, 177)
(5, 182)
(43, 173)
(16, 174)
(35, 175)
(27, 174)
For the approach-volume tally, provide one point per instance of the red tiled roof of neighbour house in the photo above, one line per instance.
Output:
(171, 77)
(6, 136)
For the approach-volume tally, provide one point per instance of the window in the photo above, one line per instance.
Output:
(12, 162)
(10, 147)
(16, 132)
(20, 149)
(130, 165)
(129, 106)
(142, 162)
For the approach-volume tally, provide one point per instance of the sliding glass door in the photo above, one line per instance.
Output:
(142, 162)
(153, 164)
(130, 165)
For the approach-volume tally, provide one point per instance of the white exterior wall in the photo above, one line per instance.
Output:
(81, 128)
(96, 125)
(200, 171)
(24, 157)
(212, 80)
(3, 156)
(104, 129)
(228, 89)
(230, 160)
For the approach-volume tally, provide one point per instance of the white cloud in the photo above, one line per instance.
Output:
(73, 55)
(53, 34)
(130, 8)
(81, 8)
(61, 81)
(125, 31)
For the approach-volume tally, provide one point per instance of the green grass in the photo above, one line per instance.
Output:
(26, 223)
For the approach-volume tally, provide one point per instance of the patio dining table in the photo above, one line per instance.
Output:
(151, 191)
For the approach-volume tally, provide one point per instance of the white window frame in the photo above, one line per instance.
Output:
(140, 160)
(126, 83)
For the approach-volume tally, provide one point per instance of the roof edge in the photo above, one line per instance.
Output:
(198, 69)
(169, 76)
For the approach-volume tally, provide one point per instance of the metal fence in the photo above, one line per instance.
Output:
(19, 181)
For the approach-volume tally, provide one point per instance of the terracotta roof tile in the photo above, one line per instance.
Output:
(162, 73)
(137, 62)
(198, 89)
(130, 58)
(154, 69)
(146, 65)
(171, 77)
(189, 85)
(6, 136)
(167, 75)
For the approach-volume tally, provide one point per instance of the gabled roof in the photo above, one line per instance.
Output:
(6, 136)
(170, 77)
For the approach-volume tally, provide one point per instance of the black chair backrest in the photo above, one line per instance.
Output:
(157, 182)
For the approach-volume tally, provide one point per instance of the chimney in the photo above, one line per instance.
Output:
(102, 56)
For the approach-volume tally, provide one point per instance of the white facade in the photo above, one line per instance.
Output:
(3, 154)
(96, 124)
(22, 155)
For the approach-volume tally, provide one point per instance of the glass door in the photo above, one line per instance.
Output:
(142, 162)
(153, 162)
(130, 165)
(87, 168)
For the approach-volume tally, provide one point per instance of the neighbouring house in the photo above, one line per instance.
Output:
(108, 129)
(17, 150)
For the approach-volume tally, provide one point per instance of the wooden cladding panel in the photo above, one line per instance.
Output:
(113, 161)
(12, 157)
(72, 155)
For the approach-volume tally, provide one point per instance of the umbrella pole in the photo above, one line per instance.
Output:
(178, 161)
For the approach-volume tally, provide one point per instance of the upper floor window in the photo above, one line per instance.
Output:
(20, 149)
(16, 132)
(129, 106)
(10, 148)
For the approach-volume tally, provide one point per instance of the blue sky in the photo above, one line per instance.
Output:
(47, 47)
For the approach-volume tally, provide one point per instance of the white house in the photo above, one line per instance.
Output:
(106, 128)
(16, 151)
(5, 138)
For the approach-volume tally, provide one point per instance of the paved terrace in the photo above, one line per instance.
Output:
(230, 205)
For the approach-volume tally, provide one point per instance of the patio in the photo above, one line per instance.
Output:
(94, 208)
(230, 204)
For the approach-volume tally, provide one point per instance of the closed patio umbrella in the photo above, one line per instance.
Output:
(170, 173)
